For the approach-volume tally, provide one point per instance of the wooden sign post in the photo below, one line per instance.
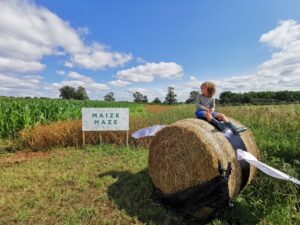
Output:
(105, 119)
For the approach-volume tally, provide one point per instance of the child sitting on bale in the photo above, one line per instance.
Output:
(205, 109)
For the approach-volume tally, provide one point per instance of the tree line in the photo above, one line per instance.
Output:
(140, 98)
(68, 92)
(225, 98)
(262, 97)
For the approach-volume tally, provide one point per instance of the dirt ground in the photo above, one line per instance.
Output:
(22, 156)
(157, 108)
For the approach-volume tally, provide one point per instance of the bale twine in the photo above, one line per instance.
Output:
(186, 153)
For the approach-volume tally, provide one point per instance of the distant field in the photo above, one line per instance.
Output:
(109, 184)
(16, 114)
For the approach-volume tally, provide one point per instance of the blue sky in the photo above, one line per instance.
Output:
(148, 46)
(206, 37)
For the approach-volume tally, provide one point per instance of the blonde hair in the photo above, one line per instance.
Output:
(211, 87)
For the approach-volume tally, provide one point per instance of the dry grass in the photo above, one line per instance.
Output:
(157, 108)
(22, 156)
(69, 133)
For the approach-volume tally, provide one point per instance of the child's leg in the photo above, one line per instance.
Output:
(209, 117)
(200, 114)
(220, 116)
(206, 115)
(233, 127)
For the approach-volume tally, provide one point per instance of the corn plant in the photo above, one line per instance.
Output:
(16, 114)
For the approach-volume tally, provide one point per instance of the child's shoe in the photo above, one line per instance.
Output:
(218, 124)
(235, 129)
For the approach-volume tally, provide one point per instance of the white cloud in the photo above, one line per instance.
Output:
(76, 80)
(119, 83)
(97, 57)
(60, 72)
(283, 35)
(193, 78)
(29, 32)
(147, 72)
(282, 71)
(150, 93)
(140, 60)
(19, 65)
(79, 77)
(284, 63)
(25, 85)
(141, 90)
(68, 64)
(14, 85)
(14, 81)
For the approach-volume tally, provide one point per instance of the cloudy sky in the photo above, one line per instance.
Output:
(139, 45)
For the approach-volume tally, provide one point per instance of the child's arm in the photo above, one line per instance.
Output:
(200, 106)
(212, 105)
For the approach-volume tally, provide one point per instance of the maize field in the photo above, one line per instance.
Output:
(16, 114)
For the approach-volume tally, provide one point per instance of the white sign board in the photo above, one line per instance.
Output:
(104, 119)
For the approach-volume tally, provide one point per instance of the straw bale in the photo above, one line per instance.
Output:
(186, 153)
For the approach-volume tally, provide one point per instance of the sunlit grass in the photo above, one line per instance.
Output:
(110, 185)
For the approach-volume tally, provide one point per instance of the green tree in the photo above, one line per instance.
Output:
(226, 97)
(157, 101)
(139, 97)
(145, 99)
(171, 96)
(81, 94)
(192, 98)
(109, 97)
(67, 92)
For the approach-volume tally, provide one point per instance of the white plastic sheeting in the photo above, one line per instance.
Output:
(243, 155)
(148, 131)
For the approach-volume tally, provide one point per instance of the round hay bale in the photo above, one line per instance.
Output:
(186, 153)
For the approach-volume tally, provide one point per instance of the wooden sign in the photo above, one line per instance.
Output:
(105, 119)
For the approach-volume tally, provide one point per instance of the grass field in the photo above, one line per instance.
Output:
(109, 184)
